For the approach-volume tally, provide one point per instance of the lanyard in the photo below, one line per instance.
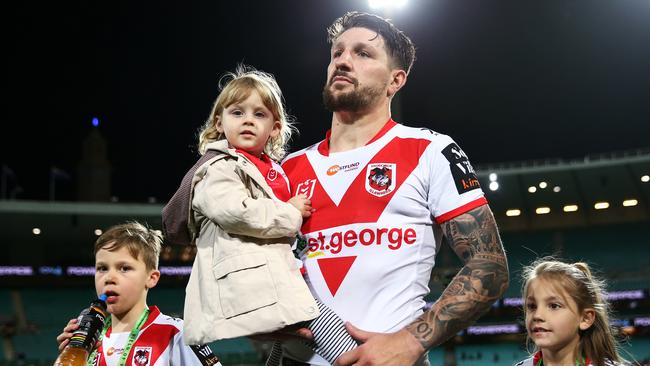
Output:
(129, 342)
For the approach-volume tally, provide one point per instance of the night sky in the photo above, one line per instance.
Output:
(509, 80)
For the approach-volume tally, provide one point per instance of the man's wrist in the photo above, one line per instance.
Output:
(412, 344)
(422, 332)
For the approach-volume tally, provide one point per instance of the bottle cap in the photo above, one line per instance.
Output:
(103, 297)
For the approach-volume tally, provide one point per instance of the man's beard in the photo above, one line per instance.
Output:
(357, 100)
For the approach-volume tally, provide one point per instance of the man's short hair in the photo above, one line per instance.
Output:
(137, 238)
(400, 47)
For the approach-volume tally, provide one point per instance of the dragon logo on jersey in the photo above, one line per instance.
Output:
(306, 188)
(141, 356)
(461, 170)
(381, 178)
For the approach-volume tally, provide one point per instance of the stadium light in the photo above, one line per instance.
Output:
(36, 231)
(645, 178)
(493, 177)
(98, 232)
(513, 212)
(601, 205)
(543, 184)
(532, 189)
(557, 189)
(542, 210)
(95, 122)
(630, 203)
(379, 4)
(570, 208)
(494, 186)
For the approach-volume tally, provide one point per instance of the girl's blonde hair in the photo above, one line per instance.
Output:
(235, 87)
(587, 291)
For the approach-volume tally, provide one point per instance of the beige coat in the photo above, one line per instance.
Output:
(245, 279)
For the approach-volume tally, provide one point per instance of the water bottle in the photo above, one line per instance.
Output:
(91, 323)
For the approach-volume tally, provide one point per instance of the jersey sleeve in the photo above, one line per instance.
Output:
(196, 355)
(453, 186)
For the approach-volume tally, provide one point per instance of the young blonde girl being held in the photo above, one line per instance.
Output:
(235, 206)
(567, 316)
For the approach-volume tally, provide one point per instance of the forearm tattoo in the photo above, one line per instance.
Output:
(484, 278)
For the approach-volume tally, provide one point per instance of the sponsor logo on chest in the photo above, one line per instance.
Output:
(342, 168)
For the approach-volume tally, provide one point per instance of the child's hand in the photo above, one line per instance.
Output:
(64, 338)
(302, 203)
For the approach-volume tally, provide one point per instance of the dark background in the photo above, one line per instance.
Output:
(509, 80)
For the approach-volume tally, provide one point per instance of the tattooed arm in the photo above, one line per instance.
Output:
(484, 278)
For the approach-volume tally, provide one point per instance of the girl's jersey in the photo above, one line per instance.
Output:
(536, 360)
(159, 343)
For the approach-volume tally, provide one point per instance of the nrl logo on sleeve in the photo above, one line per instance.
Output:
(306, 188)
(461, 170)
(380, 178)
(141, 356)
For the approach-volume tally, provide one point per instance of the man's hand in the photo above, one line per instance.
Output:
(389, 349)
(290, 333)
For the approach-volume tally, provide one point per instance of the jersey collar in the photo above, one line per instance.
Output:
(153, 314)
(324, 146)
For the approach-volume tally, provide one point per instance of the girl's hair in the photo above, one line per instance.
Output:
(236, 87)
(587, 291)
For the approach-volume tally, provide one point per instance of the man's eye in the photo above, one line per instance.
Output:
(336, 54)
(364, 54)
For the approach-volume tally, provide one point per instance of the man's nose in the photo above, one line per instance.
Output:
(343, 62)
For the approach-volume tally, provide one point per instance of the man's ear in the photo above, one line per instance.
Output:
(397, 81)
(588, 318)
(152, 281)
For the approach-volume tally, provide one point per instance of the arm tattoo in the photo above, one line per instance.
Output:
(484, 278)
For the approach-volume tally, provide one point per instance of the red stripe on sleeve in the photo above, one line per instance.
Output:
(461, 210)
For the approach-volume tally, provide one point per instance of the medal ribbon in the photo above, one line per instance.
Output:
(129, 342)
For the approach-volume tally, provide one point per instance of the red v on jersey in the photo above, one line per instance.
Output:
(334, 270)
(356, 207)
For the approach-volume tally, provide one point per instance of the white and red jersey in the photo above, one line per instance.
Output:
(375, 230)
(536, 360)
(159, 343)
